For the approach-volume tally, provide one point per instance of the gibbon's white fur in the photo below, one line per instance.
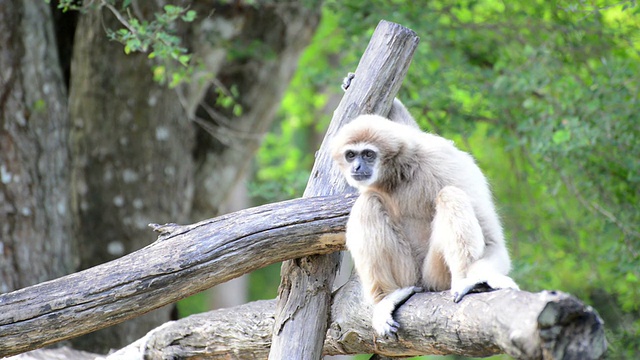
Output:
(424, 219)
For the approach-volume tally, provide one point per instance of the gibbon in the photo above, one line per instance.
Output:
(424, 219)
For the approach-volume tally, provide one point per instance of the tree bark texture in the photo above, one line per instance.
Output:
(131, 144)
(545, 325)
(35, 221)
(185, 260)
(306, 284)
(254, 50)
(141, 151)
(188, 259)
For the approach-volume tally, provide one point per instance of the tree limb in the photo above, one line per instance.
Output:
(305, 288)
(185, 260)
(545, 325)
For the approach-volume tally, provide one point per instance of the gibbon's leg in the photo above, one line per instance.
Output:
(382, 257)
(491, 269)
(456, 242)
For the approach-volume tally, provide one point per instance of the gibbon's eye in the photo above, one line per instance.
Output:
(369, 155)
(349, 155)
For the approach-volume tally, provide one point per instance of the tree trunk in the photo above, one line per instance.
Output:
(228, 139)
(35, 221)
(305, 289)
(141, 151)
(523, 325)
(131, 145)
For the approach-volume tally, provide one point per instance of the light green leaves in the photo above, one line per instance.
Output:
(158, 38)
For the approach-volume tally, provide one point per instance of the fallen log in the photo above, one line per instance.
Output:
(546, 325)
(185, 260)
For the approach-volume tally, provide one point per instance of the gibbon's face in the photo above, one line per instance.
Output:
(362, 164)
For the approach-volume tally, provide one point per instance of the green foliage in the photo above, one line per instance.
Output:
(286, 157)
(545, 96)
(194, 304)
(157, 37)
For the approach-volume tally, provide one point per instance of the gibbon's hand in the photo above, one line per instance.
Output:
(462, 287)
(346, 82)
(383, 322)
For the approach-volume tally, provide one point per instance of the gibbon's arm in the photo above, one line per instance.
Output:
(401, 115)
(398, 112)
(373, 237)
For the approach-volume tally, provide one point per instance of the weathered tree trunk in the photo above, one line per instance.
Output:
(545, 325)
(141, 151)
(131, 147)
(35, 224)
(277, 33)
(306, 285)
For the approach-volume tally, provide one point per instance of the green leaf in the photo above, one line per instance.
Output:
(189, 16)
(184, 59)
(561, 136)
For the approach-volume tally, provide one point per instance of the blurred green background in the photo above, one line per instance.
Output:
(544, 94)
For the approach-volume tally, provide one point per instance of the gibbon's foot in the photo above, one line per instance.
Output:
(346, 82)
(462, 287)
(383, 322)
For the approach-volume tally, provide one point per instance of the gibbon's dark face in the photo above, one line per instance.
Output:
(363, 161)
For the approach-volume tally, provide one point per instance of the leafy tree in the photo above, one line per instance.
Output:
(544, 95)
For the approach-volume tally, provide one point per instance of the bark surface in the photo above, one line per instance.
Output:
(144, 153)
(306, 283)
(35, 207)
(545, 325)
(131, 149)
(185, 260)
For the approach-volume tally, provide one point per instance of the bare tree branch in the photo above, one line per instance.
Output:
(305, 289)
(545, 325)
(188, 259)
(185, 260)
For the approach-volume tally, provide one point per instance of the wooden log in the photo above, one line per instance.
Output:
(306, 284)
(546, 325)
(185, 260)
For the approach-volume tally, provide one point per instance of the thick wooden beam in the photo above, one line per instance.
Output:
(305, 289)
(185, 260)
(546, 325)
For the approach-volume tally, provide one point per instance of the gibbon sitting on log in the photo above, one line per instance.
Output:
(425, 218)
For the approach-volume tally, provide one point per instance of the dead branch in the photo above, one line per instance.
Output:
(185, 260)
(305, 288)
(545, 325)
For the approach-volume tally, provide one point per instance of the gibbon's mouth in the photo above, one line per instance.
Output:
(360, 176)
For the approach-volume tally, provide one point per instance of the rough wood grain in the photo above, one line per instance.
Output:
(524, 325)
(305, 289)
(184, 261)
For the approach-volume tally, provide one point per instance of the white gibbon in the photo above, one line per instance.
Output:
(425, 218)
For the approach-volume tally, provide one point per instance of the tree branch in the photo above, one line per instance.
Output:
(185, 260)
(305, 288)
(545, 325)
